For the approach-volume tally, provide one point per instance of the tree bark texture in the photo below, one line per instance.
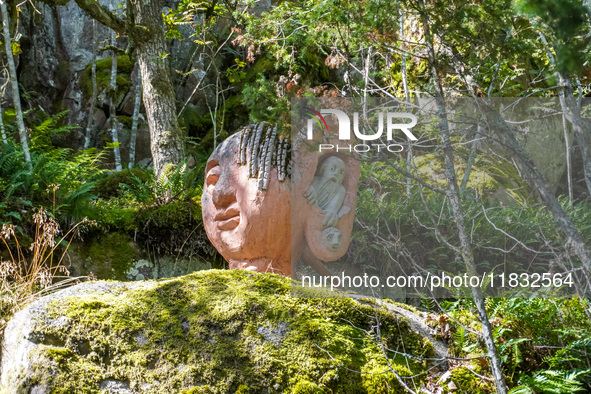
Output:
(582, 135)
(146, 29)
(135, 119)
(88, 136)
(112, 109)
(16, 98)
(2, 130)
(147, 32)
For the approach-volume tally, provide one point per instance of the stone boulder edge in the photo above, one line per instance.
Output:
(214, 331)
(21, 341)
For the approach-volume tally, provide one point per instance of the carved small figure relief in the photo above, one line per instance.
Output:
(332, 238)
(327, 190)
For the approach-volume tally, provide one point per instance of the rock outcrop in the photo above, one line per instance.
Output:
(209, 332)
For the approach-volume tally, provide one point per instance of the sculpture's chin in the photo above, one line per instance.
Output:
(231, 241)
(262, 264)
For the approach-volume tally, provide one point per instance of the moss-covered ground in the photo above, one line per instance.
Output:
(223, 332)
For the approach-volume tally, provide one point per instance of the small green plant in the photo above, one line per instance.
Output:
(176, 183)
(552, 382)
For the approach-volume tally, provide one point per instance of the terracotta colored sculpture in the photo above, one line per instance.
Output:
(249, 201)
(246, 208)
(327, 190)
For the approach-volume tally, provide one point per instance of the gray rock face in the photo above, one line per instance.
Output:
(41, 54)
(22, 342)
(274, 335)
(115, 386)
(76, 34)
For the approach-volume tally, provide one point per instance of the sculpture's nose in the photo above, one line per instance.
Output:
(223, 193)
(219, 185)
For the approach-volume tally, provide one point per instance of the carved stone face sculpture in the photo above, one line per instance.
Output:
(259, 219)
(247, 218)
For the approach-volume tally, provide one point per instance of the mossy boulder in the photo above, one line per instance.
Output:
(173, 229)
(215, 331)
(103, 77)
(107, 256)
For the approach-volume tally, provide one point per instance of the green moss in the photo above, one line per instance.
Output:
(173, 228)
(125, 121)
(109, 186)
(198, 390)
(306, 387)
(163, 88)
(110, 256)
(224, 331)
(264, 64)
(467, 382)
(124, 64)
(432, 166)
(103, 76)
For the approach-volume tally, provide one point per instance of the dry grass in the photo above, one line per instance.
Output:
(27, 275)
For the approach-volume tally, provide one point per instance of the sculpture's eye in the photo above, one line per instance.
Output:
(212, 173)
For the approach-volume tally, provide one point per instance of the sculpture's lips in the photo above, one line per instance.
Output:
(228, 219)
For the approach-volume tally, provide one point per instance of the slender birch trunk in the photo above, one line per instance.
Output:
(136, 114)
(572, 110)
(582, 135)
(569, 175)
(90, 123)
(112, 109)
(2, 129)
(14, 83)
(453, 194)
(407, 99)
(471, 156)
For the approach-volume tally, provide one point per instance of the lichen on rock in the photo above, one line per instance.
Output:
(214, 331)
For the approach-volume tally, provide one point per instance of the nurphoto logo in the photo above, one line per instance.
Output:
(394, 121)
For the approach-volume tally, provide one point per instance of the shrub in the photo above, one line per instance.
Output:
(27, 275)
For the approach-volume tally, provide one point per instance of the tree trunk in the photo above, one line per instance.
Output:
(407, 99)
(2, 129)
(537, 182)
(89, 125)
(569, 175)
(16, 98)
(147, 32)
(112, 109)
(471, 156)
(453, 193)
(582, 136)
(134, 121)
(571, 109)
